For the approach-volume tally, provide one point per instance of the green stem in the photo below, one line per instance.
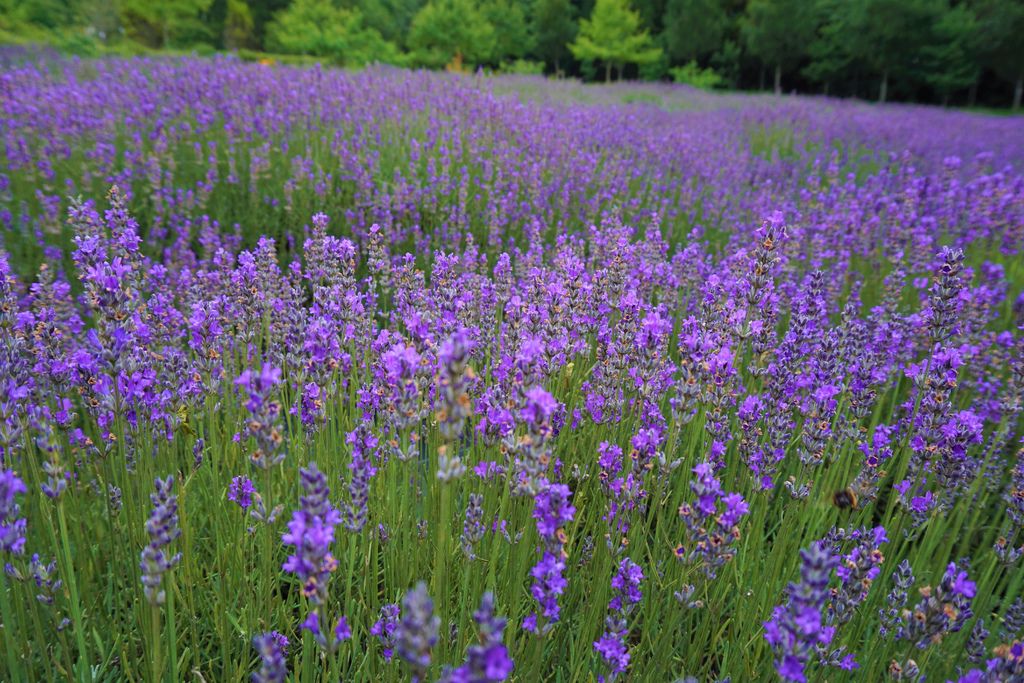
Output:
(172, 633)
(441, 555)
(82, 664)
(154, 624)
(5, 611)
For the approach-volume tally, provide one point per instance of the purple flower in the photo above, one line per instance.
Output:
(385, 627)
(416, 634)
(264, 414)
(612, 644)
(364, 444)
(162, 527)
(240, 491)
(796, 629)
(272, 648)
(711, 522)
(311, 532)
(552, 509)
(12, 527)
(488, 660)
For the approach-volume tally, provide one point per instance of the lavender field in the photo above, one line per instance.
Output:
(315, 375)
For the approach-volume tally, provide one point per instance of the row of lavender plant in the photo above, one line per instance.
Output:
(559, 390)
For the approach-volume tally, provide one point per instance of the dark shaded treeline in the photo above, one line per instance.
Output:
(938, 51)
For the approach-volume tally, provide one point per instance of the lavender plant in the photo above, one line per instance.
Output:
(723, 389)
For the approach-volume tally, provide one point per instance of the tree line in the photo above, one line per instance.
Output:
(942, 51)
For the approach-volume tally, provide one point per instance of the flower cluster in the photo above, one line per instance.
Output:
(311, 532)
(551, 510)
(12, 527)
(417, 630)
(797, 630)
(712, 522)
(272, 648)
(264, 414)
(162, 527)
(612, 644)
(488, 661)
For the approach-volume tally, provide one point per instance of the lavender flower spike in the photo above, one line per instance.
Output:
(162, 527)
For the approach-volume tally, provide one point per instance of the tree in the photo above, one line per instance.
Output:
(612, 35)
(692, 29)
(392, 18)
(238, 25)
(889, 36)
(512, 36)
(1000, 27)
(778, 33)
(951, 55)
(553, 29)
(830, 49)
(164, 21)
(323, 29)
(446, 29)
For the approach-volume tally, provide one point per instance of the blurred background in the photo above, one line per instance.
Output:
(966, 53)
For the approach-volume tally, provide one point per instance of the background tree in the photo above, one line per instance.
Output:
(238, 26)
(778, 33)
(512, 37)
(889, 36)
(553, 27)
(830, 50)
(613, 35)
(1000, 29)
(324, 29)
(951, 56)
(692, 29)
(444, 29)
(163, 23)
(391, 18)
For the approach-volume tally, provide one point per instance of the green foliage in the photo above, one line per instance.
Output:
(512, 37)
(693, 29)
(391, 18)
(613, 35)
(889, 35)
(777, 32)
(324, 29)
(165, 23)
(522, 67)
(830, 49)
(726, 61)
(951, 58)
(930, 49)
(238, 25)
(692, 74)
(554, 27)
(448, 29)
(1000, 27)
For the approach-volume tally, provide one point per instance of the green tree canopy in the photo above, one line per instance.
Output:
(553, 29)
(613, 35)
(391, 18)
(323, 29)
(446, 28)
(692, 29)
(512, 37)
(1000, 27)
(162, 23)
(889, 36)
(239, 27)
(951, 57)
(778, 33)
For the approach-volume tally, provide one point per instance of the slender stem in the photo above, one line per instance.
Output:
(82, 665)
(172, 634)
(154, 625)
(5, 611)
